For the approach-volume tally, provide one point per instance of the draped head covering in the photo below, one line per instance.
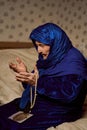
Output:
(63, 57)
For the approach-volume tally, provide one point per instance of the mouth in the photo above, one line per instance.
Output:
(44, 56)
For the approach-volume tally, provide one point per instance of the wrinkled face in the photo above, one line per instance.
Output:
(43, 49)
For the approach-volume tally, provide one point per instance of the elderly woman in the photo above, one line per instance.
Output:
(61, 85)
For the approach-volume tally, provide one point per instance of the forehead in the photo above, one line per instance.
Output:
(41, 44)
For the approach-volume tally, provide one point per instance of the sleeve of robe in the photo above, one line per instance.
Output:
(64, 89)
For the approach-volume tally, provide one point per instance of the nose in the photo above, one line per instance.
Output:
(39, 49)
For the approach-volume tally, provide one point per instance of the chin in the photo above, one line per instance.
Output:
(44, 58)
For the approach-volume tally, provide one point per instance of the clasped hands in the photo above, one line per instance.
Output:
(22, 74)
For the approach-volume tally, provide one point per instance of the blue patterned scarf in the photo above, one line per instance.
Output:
(63, 58)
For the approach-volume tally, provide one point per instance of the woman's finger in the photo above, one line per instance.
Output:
(27, 80)
(19, 60)
(21, 76)
(21, 79)
(13, 66)
(27, 77)
(27, 74)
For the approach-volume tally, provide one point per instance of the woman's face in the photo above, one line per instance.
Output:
(43, 49)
